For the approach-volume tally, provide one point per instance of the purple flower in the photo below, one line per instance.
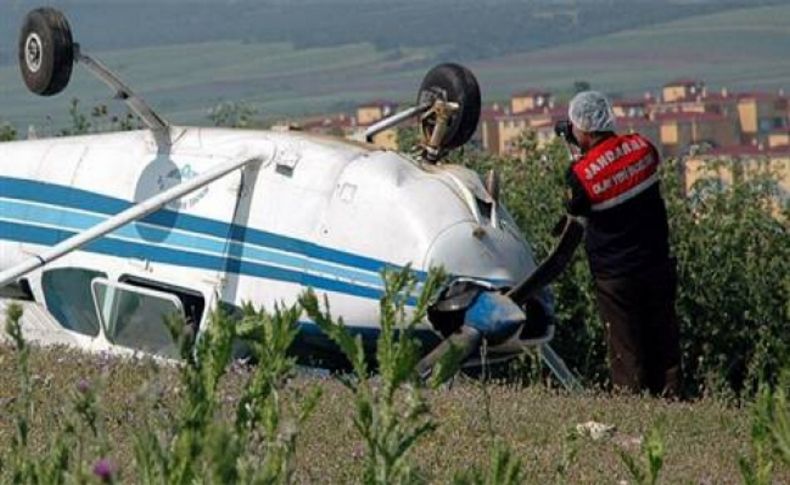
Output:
(105, 469)
(83, 386)
(358, 452)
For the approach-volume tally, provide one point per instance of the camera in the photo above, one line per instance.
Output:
(564, 129)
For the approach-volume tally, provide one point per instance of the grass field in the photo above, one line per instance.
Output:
(703, 439)
(740, 49)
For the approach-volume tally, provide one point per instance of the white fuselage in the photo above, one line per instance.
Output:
(316, 213)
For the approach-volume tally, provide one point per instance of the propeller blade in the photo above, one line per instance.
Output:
(466, 340)
(554, 264)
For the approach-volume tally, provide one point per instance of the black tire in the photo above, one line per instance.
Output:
(46, 51)
(454, 83)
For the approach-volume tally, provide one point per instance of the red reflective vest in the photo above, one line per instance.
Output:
(617, 169)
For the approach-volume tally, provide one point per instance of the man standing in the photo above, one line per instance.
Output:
(614, 185)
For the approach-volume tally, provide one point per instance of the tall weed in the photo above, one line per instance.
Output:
(195, 444)
(391, 414)
(646, 469)
(770, 434)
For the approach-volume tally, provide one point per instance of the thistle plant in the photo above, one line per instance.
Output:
(258, 445)
(391, 413)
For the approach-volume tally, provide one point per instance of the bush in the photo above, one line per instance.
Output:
(7, 132)
(733, 251)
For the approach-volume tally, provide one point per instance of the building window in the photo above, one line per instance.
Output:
(770, 124)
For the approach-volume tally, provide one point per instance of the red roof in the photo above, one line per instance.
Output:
(761, 95)
(627, 103)
(683, 82)
(718, 96)
(379, 103)
(748, 150)
(532, 92)
(490, 113)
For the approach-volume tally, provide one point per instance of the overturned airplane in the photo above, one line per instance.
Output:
(105, 234)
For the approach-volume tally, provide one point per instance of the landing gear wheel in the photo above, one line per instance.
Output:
(452, 83)
(46, 51)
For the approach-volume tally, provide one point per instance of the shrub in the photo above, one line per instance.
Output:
(733, 251)
(7, 132)
(232, 115)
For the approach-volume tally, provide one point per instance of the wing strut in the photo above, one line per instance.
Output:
(131, 214)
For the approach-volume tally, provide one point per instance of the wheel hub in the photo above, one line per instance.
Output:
(33, 52)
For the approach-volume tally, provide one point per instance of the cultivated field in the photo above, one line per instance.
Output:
(740, 49)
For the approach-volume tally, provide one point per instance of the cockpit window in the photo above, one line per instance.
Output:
(136, 318)
(67, 295)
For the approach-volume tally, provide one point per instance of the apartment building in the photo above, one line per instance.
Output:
(684, 117)
(760, 115)
(680, 132)
(531, 100)
(371, 112)
(681, 89)
(745, 161)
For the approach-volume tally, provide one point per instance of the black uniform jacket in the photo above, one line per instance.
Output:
(627, 228)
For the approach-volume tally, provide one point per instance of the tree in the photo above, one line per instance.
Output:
(579, 86)
(7, 132)
(232, 114)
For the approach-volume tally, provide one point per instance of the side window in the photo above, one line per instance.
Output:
(67, 295)
(192, 302)
(135, 317)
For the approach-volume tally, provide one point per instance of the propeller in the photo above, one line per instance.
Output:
(469, 312)
(554, 264)
(466, 340)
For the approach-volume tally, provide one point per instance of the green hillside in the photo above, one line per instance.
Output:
(740, 49)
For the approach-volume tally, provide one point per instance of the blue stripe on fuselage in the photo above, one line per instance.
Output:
(71, 220)
(62, 196)
(113, 247)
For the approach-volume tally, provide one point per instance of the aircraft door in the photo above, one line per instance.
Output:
(200, 226)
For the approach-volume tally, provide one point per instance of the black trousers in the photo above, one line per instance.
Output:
(642, 329)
